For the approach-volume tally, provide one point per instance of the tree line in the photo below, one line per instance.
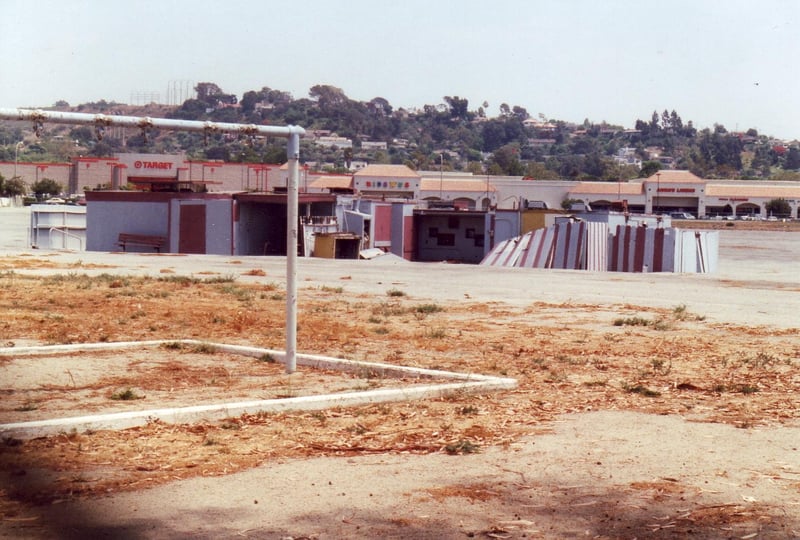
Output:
(454, 136)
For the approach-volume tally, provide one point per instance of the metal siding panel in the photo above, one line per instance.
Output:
(638, 249)
(525, 251)
(557, 251)
(615, 245)
(566, 246)
(580, 246)
(668, 251)
(539, 239)
(597, 247)
(658, 251)
(507, 254)
(494, 255)
(626, 249)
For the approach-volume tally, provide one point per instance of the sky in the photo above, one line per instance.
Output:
(729, 62)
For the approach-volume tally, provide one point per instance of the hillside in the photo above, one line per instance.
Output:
(449, 135)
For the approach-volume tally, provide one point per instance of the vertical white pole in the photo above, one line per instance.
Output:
(292, 211)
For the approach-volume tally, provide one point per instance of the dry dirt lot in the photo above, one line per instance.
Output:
(656, 406)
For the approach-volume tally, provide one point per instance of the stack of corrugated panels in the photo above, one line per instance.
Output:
(588, 246)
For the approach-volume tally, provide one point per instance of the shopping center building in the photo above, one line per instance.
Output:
(666, 191)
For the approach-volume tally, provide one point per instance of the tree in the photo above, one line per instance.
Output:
(520, 112)
(459, 108)
(779, 208)
(539, 171)
(206, 90)
(327, 96)
(46, 187)
(13, 187)
(649, 168)
(792, 159)
(507, 159)
(249, 101)
(380, 107)
(218, 152)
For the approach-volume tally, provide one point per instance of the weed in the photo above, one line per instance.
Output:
(337, 290)
(28, 406)
(555, 376)
(209, 441)
(631, 321)
(539, 362)
(661, 324)
(374, 320)
(226, 278)
(468, 410)
(204, 348)
(357, 429)
(369, 373)
(243, 295)
(660, 367)
(747, 389)
(679, 312)
(381, 330)
(386, 309)
(427, 309)
(172, 345)
(268, 358)
(179, 280)
(126, 395)
(641, 390)
(395, 293)
(462, 447)
(595, 383)
(760, 360)
(231, 425)
(436, 333)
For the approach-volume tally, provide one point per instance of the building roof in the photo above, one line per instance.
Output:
(434, 184)
(675, 177)
(388, 171)
(608, 188)
(333, 182)
(752, 190)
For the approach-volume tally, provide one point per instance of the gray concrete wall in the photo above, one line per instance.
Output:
(105, 221)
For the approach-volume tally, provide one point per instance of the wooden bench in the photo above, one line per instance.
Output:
(129, 239)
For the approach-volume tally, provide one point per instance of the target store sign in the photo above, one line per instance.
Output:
(161, 165)
(152, 165)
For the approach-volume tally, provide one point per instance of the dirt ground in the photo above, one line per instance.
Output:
(669, 407)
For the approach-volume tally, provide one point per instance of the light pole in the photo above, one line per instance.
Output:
(441, 176)
(658, 189)
(16, 156)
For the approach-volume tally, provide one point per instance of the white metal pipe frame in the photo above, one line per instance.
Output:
(291, 133)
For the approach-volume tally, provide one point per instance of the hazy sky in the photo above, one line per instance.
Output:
(732, 62)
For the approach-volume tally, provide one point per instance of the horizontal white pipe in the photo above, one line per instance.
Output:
(451, 383)
(144, 122)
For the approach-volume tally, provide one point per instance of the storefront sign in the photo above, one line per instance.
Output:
(387, 184)
(163, 165)
(675, 190)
